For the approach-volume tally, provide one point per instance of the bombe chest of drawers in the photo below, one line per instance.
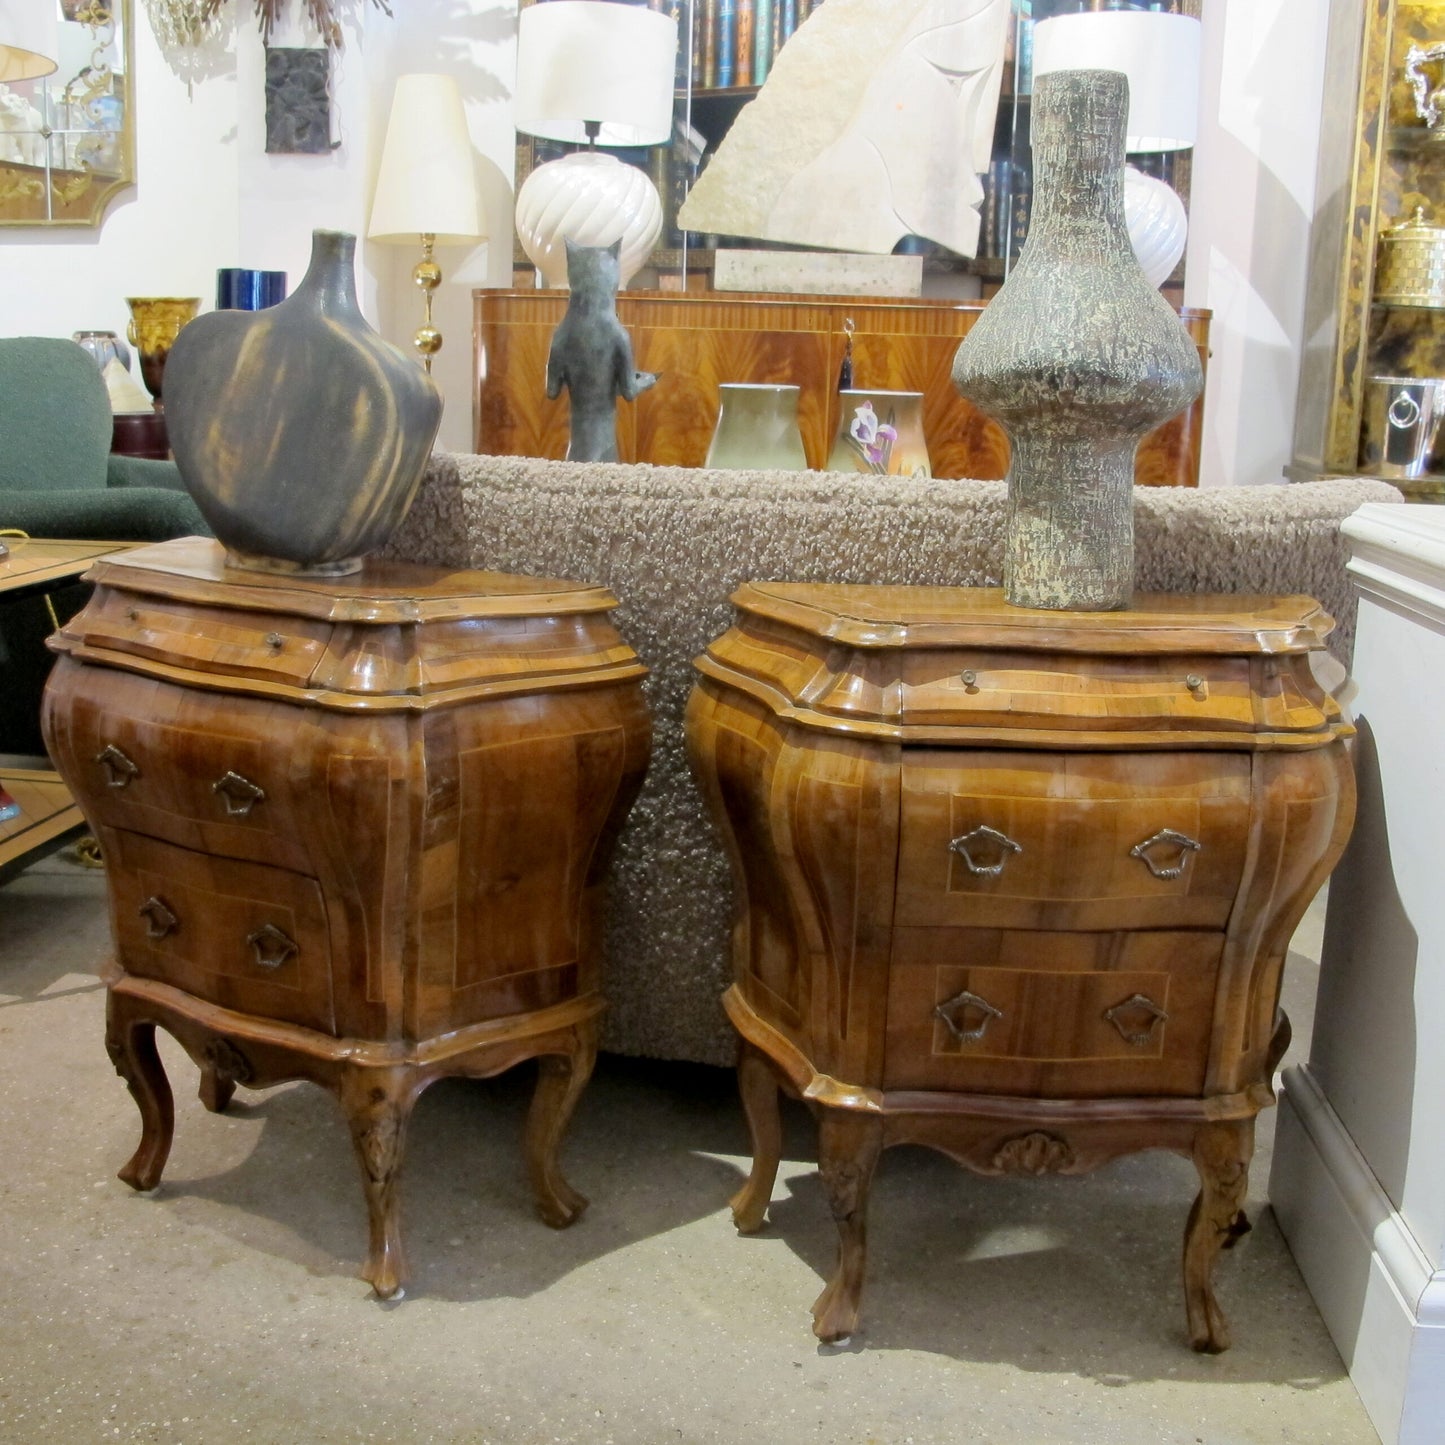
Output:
(1016, 885)
(355, 831)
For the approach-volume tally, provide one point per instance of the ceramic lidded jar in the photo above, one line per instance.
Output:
(299, 431)
(1076, 358)
(757, 429)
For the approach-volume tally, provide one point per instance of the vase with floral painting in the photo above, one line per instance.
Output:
(881, 432)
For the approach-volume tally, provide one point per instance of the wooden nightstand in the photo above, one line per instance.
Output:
(1017, 885)
(355, 832)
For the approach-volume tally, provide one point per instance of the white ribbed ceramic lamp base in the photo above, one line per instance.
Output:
(592, 199)
(1158, 224)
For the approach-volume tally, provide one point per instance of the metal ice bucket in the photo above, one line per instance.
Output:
(1402, 417)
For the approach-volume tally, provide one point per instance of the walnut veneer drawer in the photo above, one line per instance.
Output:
(243, 935)
(995, 839)
(1056, 1014)
(224, 787)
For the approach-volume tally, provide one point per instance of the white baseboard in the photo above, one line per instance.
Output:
(1382, 1301)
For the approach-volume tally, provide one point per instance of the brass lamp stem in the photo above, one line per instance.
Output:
(427, 274)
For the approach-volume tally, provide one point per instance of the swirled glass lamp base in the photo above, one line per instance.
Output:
(592, 199)
(1158, 224)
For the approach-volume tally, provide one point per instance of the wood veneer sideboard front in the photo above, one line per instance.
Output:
(694, 341)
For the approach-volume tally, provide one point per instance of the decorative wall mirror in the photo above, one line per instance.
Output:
(67, 141)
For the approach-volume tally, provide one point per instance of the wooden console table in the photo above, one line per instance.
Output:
(695, 340)
(1017, 885)
(355, 832)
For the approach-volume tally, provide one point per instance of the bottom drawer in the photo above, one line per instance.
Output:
(243, 935)
(999, 1011)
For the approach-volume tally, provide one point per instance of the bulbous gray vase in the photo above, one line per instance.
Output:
(299, 431)
(1076, 358)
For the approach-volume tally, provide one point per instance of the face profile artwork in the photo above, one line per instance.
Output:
(875, 123)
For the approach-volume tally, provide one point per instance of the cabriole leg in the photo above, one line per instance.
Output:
(1222, 1152)
(848, 1149)
(560, 1081)
(378, 1104)
(758, 1086)
(131, 1044)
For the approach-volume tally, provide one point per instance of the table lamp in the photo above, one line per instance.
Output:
(426, 190)
(1159, 53)
(29, 39)
(599, 72)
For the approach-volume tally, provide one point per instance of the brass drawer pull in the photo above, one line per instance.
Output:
(984, 841)
(1136, 1019)
(272, 947)
(119, 769)
(239, 794)
(961, 1004)
(159, 919)
(1174, 850)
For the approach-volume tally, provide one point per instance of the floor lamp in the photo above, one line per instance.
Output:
(426, 190)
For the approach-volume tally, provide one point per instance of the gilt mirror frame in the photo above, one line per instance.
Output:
(67, 140)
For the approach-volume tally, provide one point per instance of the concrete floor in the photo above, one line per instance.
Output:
(225, 1307)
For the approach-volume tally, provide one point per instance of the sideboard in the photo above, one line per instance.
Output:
(695, 340)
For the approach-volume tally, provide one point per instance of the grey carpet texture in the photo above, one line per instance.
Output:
(673, 543)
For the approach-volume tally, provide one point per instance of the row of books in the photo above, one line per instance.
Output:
(1004, 213)
(734, 42)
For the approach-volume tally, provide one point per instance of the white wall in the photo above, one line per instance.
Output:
(209, 196)
(1251, 199)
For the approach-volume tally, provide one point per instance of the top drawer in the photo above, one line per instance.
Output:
(993, 839)
(230, 776)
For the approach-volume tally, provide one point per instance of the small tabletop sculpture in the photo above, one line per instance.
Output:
(591, 355)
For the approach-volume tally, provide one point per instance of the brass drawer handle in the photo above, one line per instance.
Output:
(119, 769)
(1136, 1019)
(159, 919)
(984, 840)
(961, 1004)
(271, 946)
(1175, 849)
(239, 794)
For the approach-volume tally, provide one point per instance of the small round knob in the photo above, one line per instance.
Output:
(970, 678)
(1194, 682)
(275, 641)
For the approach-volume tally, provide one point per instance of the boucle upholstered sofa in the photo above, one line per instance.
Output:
(673, 543)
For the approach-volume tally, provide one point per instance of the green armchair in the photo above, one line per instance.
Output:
(57, 476)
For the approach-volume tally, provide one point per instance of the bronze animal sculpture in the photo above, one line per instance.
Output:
(591, 355)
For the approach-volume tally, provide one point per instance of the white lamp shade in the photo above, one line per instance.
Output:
(594, 60)
(1160, 55)
(591, 199)
(427, 181)
(29, 44)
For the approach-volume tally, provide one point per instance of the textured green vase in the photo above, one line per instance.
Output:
(299, 431)
(1076, 358)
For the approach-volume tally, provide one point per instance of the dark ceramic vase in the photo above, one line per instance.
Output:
(1076, 358)
(300, 432)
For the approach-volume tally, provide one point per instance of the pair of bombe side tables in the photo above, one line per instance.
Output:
(1014, 885)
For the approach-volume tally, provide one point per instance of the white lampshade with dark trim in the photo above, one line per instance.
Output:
(29, 39)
